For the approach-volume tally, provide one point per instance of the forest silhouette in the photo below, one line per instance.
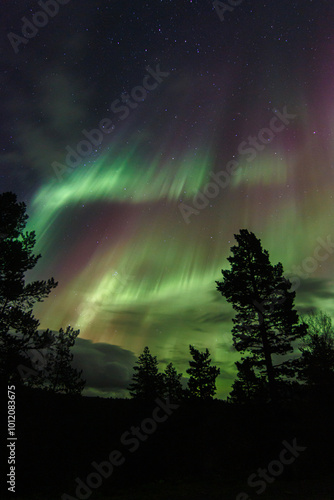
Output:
(172, 438)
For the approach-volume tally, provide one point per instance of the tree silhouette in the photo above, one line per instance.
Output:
(248, 387)
(147, 382)
(316, 365)
(266, 323)
(202, 381)
(20, 337)
(61, 376)
(172, 383)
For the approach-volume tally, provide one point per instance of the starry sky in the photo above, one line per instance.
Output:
(142, 136)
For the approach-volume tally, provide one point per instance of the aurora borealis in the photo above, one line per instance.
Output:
(132, 272)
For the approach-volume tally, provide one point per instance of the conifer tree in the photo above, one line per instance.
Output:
(248, 387)
(202, 381)
(172, 383)
(147, 383)
(21, 343)
(266, 323)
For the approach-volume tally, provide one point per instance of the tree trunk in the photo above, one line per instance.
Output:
(268, 361)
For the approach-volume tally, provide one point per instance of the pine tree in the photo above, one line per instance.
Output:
(147, 382)
(202, 381)
(21, 343)
(18, 326)
(172, 383)
(266, 323)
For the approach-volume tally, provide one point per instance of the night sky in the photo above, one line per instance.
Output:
(129, 223)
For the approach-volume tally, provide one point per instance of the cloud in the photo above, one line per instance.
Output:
(107, 368)
(316, 287)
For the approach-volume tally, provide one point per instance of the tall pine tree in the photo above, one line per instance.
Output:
(20, 340)
(266, 323)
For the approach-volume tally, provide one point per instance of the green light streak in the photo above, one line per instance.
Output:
(126, 179)
(261, 172)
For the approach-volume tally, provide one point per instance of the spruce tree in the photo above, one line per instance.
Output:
(172, 383)
(202, 381)
(147, 383)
